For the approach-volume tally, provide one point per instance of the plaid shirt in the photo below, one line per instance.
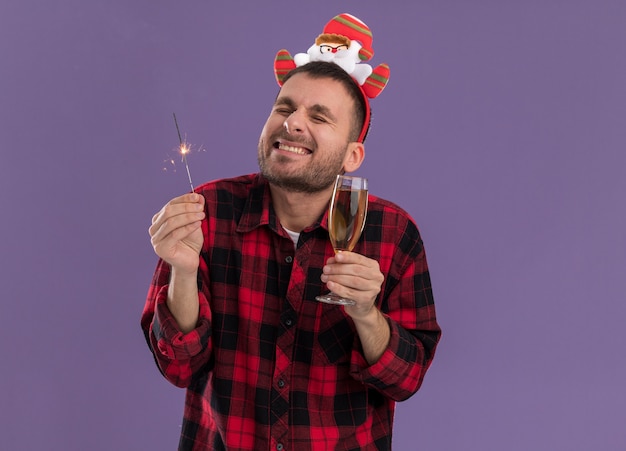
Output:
(270, 368)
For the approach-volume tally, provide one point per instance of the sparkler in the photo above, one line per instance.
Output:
(184, 150)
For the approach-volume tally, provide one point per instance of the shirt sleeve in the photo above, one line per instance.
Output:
(178, 355)
(407, 304)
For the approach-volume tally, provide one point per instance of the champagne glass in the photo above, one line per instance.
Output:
(346, 219)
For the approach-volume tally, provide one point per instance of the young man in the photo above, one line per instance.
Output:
(231, 313)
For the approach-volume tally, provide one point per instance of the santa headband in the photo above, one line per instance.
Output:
(347, 42)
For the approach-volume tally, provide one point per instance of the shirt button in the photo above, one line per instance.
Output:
(288, 322)
(280, 447)
(289, 259)
(281, 383)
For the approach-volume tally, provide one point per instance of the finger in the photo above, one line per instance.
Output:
(177, 207)
(366, 271)
(348, 257)
(355, 282)
(352, 258)
(359, 295)
(189, 197)
(170, 223)
(190, 201)
(180, 209)
(357, 278)
(170, 240)
(177, 213)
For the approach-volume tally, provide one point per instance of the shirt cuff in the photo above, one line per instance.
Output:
(390, 368)
(171, 341)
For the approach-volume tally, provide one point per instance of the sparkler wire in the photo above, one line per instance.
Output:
(183, 151)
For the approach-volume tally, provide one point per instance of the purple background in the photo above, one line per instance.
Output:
(502, 131)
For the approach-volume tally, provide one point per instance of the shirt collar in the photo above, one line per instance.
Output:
(258, 210)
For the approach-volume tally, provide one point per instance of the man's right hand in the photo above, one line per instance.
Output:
(176, 234)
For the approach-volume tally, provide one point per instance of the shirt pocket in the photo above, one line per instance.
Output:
(336, 336)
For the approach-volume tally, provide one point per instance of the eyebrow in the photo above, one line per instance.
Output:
(317, 108)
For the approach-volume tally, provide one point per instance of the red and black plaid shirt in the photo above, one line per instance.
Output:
(270, 368)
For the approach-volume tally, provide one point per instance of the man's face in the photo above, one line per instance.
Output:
(304, 141)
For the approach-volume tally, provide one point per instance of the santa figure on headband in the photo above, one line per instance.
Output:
(347, 42)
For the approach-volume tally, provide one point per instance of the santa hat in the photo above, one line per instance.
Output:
(349, 26)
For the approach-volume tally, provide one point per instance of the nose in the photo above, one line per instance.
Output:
(294, 122)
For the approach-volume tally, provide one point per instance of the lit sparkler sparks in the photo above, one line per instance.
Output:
(184, 150)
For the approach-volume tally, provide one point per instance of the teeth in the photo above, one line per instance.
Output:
(298, 150)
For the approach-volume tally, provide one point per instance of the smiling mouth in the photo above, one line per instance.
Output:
(291, 149)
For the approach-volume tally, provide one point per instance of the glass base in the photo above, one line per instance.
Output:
(332, 298)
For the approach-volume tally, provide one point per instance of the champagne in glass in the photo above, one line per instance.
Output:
(346, 219)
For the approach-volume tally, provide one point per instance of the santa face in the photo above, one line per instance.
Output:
(335, 52)
(332, 48)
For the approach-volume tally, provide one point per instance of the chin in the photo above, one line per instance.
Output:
(292, 184)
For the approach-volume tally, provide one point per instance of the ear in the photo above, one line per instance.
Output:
(354, 156)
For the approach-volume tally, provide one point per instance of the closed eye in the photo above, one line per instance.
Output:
(284, 106)
(283, 111)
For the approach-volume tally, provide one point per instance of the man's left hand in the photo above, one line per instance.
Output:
(356, 277)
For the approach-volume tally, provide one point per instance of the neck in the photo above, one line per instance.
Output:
(296, 211)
